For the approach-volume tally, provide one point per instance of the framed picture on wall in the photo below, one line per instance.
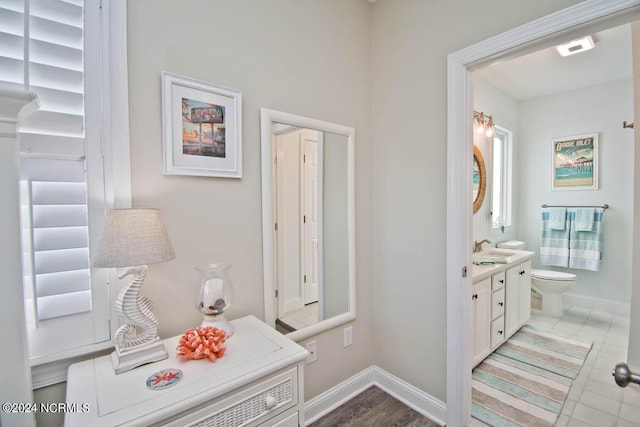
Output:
(202, 128)
(575, 163)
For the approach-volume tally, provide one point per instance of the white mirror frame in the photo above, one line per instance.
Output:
(267, 118)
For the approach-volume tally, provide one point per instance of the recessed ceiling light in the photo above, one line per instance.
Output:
(576, 46)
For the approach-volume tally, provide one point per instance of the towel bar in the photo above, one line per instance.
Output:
(603, 206)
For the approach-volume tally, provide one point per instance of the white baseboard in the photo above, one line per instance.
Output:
(337, 395)
(608, 306)
(411, 396)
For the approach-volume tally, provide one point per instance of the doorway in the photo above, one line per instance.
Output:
(529, 37)
(296, 208)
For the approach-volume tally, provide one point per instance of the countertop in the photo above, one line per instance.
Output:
(481, 272)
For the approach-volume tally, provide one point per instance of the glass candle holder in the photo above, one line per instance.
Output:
(215, 295)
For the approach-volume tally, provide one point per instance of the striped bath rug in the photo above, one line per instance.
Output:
(526, 381)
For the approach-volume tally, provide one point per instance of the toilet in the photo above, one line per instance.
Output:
(548, 283)
(551, 285)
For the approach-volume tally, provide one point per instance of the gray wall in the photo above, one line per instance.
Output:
(310, 58)
(411, 41)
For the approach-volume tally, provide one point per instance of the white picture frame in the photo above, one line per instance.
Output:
(574, 162)
(201, 128)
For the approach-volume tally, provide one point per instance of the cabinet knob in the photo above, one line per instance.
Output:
(474, 296)
(500, 332)
(501, 281)
(271, 402)
(500, 303)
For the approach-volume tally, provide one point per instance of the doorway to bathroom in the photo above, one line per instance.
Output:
(459, 234)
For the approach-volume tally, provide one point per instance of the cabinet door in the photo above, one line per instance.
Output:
(481, 320)
(512, 301)
(525, 291)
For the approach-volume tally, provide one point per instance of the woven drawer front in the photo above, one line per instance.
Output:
(252, 408)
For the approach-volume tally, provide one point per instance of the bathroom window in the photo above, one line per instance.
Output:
(501, 195)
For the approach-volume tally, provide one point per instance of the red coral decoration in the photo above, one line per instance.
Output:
(203, 342)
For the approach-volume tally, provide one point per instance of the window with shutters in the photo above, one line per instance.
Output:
(54, 48)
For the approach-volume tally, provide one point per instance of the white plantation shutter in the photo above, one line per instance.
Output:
(47, 47)
(58, 255)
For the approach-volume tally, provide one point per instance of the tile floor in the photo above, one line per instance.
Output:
(594, 398)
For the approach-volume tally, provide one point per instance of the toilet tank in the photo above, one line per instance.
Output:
(516, 245)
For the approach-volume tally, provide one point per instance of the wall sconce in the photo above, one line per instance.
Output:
(483, 124)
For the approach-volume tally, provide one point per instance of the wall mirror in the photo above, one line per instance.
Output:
(479, 179)
(308, 223)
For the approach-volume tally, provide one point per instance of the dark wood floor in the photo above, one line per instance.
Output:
(373, 407)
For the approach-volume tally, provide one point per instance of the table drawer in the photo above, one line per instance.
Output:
(250, 406)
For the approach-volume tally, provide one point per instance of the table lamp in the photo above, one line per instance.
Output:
(133, 238)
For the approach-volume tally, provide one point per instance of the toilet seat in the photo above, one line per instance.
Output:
(553, 275)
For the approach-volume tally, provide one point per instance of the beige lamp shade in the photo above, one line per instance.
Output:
(133, 237)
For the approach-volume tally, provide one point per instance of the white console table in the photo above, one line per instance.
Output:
(258, 382)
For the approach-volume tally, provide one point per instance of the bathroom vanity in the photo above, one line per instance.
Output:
(500, 299)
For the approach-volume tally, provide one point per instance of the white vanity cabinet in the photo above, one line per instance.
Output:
(518, 297)
(500, 303)
(480, 320)
(258, 382)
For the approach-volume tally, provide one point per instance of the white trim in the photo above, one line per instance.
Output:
(15, 366)
(318, 328)
(413, 397)
(416, 399)
(459, 118)
(56, 371)
(329, 400)
(459, 211)
(320, 190)
(267, 118)
(117, 116)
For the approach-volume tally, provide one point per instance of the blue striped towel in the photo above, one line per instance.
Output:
(586, 247)
(557, 218)
(554, 244)
(584, 219)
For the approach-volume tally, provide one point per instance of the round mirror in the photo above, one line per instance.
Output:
(479, 179)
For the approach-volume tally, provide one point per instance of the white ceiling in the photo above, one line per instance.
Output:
(545, 72)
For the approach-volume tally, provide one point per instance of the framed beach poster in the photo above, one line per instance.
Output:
(575, 163)
(202, 128)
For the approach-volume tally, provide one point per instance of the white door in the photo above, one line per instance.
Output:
(310, 220)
